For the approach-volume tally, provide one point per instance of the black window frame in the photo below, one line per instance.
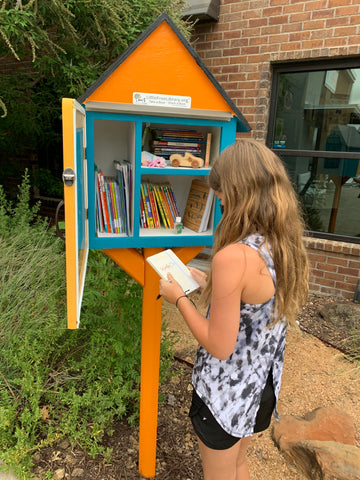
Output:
(309, 66)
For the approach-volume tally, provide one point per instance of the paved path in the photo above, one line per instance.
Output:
(7, 476)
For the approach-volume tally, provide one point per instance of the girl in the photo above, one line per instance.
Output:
(257, 282)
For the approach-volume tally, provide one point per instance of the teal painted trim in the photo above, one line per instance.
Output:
(90, 164)
(228, 135)
(145, 242)
(137, 178)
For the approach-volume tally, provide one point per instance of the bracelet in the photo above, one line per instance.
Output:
(184, 296)
(181, 296)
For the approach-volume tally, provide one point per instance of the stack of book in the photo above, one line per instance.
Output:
(168, 142)
(158, 207)
(113, 200)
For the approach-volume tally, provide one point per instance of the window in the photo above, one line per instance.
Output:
(315, 114)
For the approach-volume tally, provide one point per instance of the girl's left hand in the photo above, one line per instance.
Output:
(170, 290)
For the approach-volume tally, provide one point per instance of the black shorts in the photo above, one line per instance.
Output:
(213, 435)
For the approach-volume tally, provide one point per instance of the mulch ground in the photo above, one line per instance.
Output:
(177, 453)
(337, 335)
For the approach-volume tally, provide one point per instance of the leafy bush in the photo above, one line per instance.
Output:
(56, 382)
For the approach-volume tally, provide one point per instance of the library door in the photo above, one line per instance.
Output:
(75, 201)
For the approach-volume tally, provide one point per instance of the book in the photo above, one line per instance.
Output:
(198, 206)
(150, 218)
(166, 206)
(168, 262)
(142, 213)
(98, 206)
(145, 206)
(109, 204)
(104, 203)
(113, 200)
(124, 171)
(161, 207)
(168, 142)
(209, 203)
(172, 200)
(153, 205)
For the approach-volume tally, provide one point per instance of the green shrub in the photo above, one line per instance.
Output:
(56, 382)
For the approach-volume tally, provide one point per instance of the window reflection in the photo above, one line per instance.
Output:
(331, 201)
(311, 104)
(319, 111)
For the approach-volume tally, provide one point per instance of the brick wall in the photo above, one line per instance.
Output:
(250, 35)
(334, 267)
(239, 50)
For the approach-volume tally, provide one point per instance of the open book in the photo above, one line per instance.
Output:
(167, 262)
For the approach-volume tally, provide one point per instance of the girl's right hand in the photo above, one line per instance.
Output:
(199, 276)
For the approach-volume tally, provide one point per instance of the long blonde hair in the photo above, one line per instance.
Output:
(259, 197)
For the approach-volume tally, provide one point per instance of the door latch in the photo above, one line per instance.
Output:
(68, 177)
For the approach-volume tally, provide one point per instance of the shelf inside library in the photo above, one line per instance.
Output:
(187, 232)
(175, 171)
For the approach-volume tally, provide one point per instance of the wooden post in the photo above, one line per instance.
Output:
(150, 364)
(136, 265)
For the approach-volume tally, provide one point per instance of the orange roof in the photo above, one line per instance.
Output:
(161, 61)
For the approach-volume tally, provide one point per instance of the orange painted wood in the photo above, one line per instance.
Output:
(150, 364)
(136, 265)
(161, 64)
(130, 260)
(187, 253)
(70, 208)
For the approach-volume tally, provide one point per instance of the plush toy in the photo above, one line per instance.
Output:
(150, 160)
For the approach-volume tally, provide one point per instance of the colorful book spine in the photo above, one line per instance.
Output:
(118, 206)
(109, 205)
(167, 207)
(142, 213)
(145, 207)
(173, 215)
(168, 143)
(153, 206)
(122, 201)
(173, 200)
(104, 203)
(148, 207)
(116, 211)
(99, 216)
(165, 221)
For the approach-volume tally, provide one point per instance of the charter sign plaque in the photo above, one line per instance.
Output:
(159, 100)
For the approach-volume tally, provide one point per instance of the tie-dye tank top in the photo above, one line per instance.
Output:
(232, 388)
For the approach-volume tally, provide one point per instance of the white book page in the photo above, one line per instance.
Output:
(167, 262)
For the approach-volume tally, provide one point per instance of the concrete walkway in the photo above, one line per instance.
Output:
(8, 476)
